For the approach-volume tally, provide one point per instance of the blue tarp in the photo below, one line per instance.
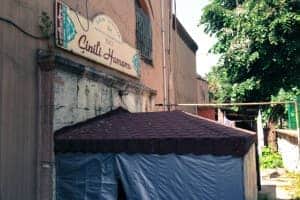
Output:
(148, 177)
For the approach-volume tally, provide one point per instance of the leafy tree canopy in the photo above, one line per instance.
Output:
(259, 44)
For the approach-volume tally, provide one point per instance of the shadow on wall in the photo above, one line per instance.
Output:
(268, 192)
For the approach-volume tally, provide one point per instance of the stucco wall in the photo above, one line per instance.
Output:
(19, 115)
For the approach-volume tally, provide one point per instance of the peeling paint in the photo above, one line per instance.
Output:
(81, 98)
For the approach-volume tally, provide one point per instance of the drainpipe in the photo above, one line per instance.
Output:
(175, 56)
(164, 56)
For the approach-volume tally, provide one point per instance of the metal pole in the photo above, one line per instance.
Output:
(260, 133)
(234, 104)
(164, 55)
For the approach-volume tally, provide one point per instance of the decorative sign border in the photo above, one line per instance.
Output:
(98, 40)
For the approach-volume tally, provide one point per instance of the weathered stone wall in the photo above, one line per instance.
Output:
(78, 97)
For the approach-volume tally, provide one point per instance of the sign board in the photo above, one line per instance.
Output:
(98, 39)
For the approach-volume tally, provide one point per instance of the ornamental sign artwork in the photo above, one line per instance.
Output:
(98, 40)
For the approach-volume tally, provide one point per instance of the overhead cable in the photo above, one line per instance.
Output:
(8, 21)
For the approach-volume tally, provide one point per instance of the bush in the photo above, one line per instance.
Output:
(270, 159)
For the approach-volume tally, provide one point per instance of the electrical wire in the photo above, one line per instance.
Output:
(87, 17)
(22, 30)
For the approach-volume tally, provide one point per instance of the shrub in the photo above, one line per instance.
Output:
(270, 159)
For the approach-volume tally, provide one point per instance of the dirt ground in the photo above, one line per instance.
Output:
(276, 185)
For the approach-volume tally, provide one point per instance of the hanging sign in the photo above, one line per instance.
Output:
(98, 40)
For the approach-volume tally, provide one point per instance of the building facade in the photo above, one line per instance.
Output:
(185, 86)
(47, 82)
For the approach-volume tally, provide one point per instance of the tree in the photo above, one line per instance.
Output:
(259, 44)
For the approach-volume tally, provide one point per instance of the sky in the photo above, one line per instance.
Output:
(189, 13)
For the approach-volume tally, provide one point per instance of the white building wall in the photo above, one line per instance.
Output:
(288, 148)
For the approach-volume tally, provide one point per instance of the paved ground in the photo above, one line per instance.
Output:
(276, 184)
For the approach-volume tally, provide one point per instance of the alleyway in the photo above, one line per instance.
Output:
(276, 184)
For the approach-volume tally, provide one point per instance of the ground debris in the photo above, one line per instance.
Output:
(277, 184)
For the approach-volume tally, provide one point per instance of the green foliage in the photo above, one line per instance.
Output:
(274, 112)
(259, 43)
(45, 24)
(270, 159)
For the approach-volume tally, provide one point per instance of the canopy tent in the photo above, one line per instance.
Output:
(160, 155)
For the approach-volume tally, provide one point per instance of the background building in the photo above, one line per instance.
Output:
(183, 67)
(186, 86)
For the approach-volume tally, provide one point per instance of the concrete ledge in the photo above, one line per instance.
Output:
(290, 135)
(287, 141)
(53, 61)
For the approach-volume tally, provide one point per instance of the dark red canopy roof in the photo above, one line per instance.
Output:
(153, 132)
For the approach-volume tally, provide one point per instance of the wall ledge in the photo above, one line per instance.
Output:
(291, 135)
(48, 61)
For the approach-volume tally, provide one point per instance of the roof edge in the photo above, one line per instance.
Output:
(213, 121)
(118, 110)
(183, 34)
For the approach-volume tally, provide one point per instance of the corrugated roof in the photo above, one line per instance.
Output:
(153, 132)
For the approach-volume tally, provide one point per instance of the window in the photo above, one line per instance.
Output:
(143, 32)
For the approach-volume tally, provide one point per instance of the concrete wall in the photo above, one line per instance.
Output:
(19, 116)
(183, 74)
(207, 112)
(202, 91)
(123, 14)
(250, 174)
(287, 142)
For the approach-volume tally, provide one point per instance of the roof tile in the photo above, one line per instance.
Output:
(153, 132)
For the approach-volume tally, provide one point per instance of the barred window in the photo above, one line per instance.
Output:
(143, 33)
